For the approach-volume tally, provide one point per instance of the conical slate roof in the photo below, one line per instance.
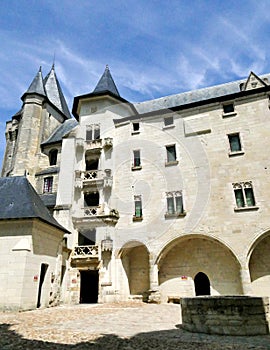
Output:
(106, 83)
(19, 200)
(54, 92)
(37, 86)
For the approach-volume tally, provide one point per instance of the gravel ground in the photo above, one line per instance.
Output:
(111, 326)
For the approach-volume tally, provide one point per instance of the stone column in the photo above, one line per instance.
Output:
(153, 277)
(246, 280)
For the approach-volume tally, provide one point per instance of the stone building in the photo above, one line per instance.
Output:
(163, 199)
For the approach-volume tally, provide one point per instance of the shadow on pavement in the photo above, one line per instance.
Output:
(164, 340)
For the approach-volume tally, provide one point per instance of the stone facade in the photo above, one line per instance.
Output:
(164, 199)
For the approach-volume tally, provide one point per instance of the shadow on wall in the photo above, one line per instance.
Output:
(159, 340)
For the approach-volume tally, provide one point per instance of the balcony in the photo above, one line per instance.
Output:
(93, 178)
(95, 216)
(94, 146)
(85, 255)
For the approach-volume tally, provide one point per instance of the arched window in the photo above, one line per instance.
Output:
(53, 156)
(202, 284)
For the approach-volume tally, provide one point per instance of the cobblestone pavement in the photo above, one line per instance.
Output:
(125, 326)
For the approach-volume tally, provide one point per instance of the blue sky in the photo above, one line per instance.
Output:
(153, 48)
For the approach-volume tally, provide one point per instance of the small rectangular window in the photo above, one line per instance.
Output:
(244, 196)
(171, 153)
(96, 132)
(136, 158)
(168, 121)
(228, 108)
(235, 143)
(136, 126)
(138, 207)
(48, 184)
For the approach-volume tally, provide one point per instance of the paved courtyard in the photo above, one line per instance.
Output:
(111, 326)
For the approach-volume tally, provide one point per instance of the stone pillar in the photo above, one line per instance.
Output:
(153, 277)
(246, 280)
(154, 294)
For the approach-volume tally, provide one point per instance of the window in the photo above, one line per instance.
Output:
(135, 128)
(228, 108)
(136, 159)
(48, 184)
(92, 132)
(171, 154)
(174, 203)
(91, 199)
(244, 196)
(138, 208)
(235, 143)
(168, 121)
(53, 156)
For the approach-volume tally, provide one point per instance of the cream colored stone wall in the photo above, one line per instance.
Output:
(25, 245)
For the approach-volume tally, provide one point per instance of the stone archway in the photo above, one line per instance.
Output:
(259, 267)
(135, 261)
(185, 257)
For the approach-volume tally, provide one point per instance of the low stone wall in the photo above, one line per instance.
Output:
(227, 315)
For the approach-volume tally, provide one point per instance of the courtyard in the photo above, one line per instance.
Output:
(111, 326)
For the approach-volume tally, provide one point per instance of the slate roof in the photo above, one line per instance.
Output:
(106, 83)
(190, 97)
(50, 88)
(60, 132)
(19, 200)
(37, 85)
(55, 93)
(49, 199)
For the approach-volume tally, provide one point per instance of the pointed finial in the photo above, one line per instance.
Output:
(53, 60)
(39, 69)
(107, 66)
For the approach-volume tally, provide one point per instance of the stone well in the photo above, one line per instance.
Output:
(227, 315)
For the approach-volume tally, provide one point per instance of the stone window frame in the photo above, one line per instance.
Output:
(244, 196)
(136, 162)
(135, 127)
(170, 161)
(138, 212)
(174, 199)
(48, 184)
(231, 151)
(231, 113)
(168, 125)
(92, 132)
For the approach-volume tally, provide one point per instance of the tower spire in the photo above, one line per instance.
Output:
(37, 86)
(106, 83)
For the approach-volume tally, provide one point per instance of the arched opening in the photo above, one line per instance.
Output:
(53, 156)
(183, 258)
(259, 267)
(135, 262)
(202, 284)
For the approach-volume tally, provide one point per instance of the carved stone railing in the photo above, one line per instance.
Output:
(95, 215)
(93, 145)
(85, 251)
(93, 178)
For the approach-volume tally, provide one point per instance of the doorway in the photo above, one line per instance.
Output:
(43, 270)
(202, 284)
(89, 287)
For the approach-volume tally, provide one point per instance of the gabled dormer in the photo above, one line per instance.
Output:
(253, 82)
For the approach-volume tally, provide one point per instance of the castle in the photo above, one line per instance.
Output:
(154, 200)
